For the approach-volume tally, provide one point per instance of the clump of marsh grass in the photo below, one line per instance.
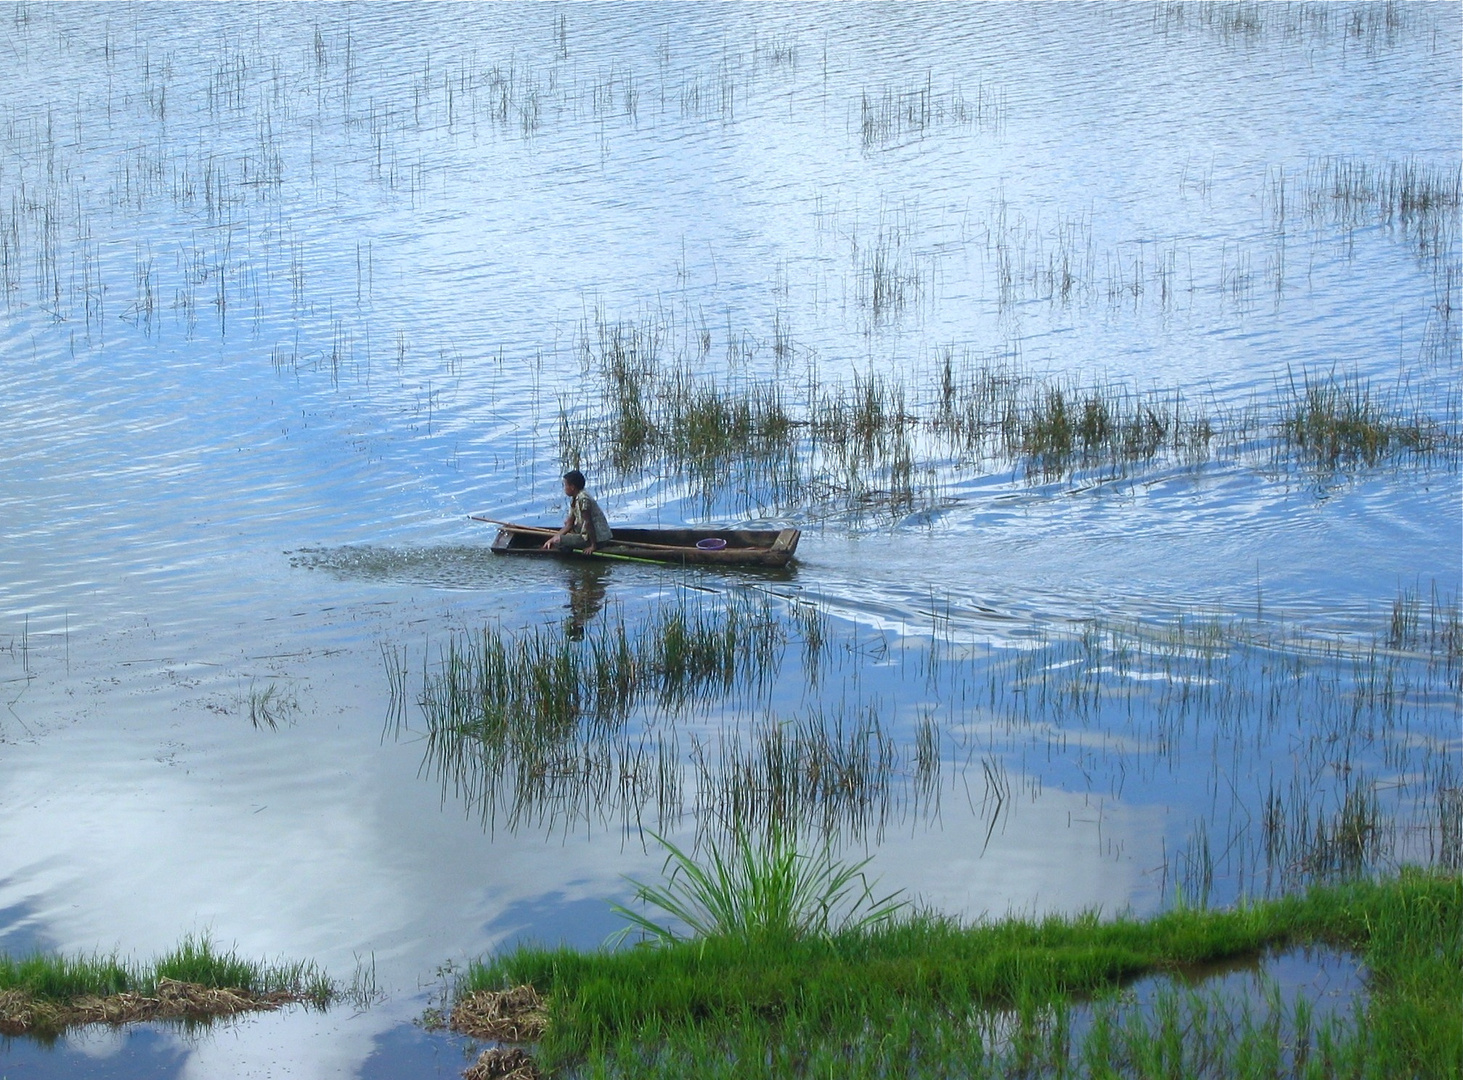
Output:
(890, 279)
(539, 724)
(45, 993)
(516, 1015)
(1419, 199)
(269, 706)
(1065, 425)
(755, 889)
(1440, 634)
(831, 771)
(1335, 421)
(503, 1063)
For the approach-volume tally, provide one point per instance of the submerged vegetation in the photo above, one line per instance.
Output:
(43, 994)
(924, 995)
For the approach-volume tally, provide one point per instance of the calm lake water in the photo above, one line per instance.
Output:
(290, 291)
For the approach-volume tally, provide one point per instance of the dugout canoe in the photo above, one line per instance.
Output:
(744, 547)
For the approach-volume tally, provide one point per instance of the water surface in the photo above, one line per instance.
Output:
(290, 291)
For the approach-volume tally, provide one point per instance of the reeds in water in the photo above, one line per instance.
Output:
(893, 442)
(498, 685)
(1345, 740)
(1335, 421)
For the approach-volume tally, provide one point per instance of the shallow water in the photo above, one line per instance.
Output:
(291, 291)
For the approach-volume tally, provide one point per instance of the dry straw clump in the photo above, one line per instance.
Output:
(516, 1015)
(22, 1013)
(503, 1063)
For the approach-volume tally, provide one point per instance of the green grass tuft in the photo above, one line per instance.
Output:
(758, 889)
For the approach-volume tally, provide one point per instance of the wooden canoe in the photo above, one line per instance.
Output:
(744, 547)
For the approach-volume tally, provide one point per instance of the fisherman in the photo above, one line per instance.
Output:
(586, 526)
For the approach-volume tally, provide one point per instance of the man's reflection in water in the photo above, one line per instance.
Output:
(588, 584)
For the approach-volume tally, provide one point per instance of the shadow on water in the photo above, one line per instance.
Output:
(410, 1050)
(21, 932)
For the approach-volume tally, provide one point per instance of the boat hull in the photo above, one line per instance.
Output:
(744, 547)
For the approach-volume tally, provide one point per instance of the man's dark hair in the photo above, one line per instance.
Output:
(576, 478)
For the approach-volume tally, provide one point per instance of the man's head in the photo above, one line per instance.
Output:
(573, 482)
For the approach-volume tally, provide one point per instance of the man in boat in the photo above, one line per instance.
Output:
(586, 526)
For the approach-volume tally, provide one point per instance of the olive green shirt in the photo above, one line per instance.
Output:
(585, 514)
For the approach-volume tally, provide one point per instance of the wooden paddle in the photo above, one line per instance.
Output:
(512, 527)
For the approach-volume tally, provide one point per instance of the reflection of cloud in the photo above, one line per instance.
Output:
(308, 843)
(1057, 852)
(986, 732)
(318, 842)
(292, 1043)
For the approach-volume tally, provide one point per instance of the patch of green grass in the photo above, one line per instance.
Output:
(44, 994)
(929, 996)
(197, 960)
(59, 978)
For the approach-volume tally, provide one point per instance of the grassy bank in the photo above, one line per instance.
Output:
(921, 995)
(45, 993)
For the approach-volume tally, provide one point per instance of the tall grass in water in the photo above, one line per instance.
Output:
(831, 771)
(532, 684)
(1420, 200)
(547, 728)
(1065, 425)
(535, 722)
(890, 116)
(876, 440)
(1334, 421)
(889, 442)
(1360, 725)
(920, 995)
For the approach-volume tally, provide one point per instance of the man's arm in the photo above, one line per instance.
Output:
(559, 536)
